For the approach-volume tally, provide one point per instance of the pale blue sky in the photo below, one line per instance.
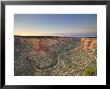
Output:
(41, 24)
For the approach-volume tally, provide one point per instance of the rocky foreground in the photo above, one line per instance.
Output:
(59, 57)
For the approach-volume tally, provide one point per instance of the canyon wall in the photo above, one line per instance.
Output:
(88, 43)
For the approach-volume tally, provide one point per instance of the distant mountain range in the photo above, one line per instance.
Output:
(65, 35)
(73, 34)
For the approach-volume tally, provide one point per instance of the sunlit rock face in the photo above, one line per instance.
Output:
(88, 43)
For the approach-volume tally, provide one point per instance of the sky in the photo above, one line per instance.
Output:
(49, 24)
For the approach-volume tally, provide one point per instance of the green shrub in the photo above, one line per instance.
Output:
(91, 71)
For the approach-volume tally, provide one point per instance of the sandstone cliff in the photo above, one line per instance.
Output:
(88, 43)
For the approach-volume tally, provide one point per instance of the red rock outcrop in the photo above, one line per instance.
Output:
(88, 43)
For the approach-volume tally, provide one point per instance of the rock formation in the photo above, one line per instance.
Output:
(88, 43)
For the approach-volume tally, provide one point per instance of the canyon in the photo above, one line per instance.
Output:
(56, 56)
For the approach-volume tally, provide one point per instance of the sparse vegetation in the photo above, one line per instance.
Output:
(53, 57)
